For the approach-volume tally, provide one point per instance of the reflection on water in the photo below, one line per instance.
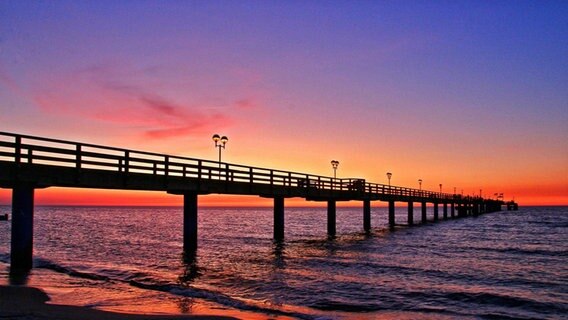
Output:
(185, 305)
(278, 251)
(191, 269)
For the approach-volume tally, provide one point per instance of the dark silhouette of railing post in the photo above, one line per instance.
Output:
(18, 150)
(190, 223)
(391, 214)
(78, 160)
(424, 215)
(410, 213)
(331, 218)
(22, 227)
(367, 215)
(278, 218)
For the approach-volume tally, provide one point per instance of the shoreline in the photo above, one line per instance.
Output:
(23, 302)
(31, 303)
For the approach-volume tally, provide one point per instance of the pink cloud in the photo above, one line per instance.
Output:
(245, 104)
(119, 97)
(190, 129)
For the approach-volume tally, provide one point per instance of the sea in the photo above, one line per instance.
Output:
(502, 265)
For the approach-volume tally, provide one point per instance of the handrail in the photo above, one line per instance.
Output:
(81, 155)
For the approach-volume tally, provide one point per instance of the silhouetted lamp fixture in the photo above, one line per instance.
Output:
(389, 175)
(334, 164)
(420, 184)
(440, 188)
(220, 142)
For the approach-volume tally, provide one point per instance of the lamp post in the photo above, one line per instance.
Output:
(334, 164)
(454, 190)
(389, 175)
(220, 142)
(420, 184)
(440, 188)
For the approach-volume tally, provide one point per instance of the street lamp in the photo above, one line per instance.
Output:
(440, 188)
(389, 175)
(220, 143)
(334, 164)
(420, 184)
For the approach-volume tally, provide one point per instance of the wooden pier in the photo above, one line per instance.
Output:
(28, 163)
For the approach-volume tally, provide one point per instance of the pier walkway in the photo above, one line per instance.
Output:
(28, 163)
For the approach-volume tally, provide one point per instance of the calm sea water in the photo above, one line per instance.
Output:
(507, 265)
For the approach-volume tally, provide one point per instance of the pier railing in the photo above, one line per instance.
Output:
(25, 149)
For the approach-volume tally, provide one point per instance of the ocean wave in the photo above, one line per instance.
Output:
(521, 251)
(174, 289)
(485, 298)
(46, 264)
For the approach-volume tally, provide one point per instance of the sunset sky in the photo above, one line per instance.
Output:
(470, 94)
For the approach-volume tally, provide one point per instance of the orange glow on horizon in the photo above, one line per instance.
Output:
(528, 196)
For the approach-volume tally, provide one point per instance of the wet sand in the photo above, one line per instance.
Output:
(28, 303)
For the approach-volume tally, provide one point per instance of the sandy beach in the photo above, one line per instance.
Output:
(19, 302)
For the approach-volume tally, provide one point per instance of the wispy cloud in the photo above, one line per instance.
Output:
(10, 84)
(122, 96)
(245, 104)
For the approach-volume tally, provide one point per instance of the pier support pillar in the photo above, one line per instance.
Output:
(424, 216)
(436, 211)
(279, 218)
(331, 218)
(476, 209)
(462, 210)
(453, 210)
(410, 213)
(367, 215)
(391, 214)
(445, 211)
(190, 223)
(21, 250)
